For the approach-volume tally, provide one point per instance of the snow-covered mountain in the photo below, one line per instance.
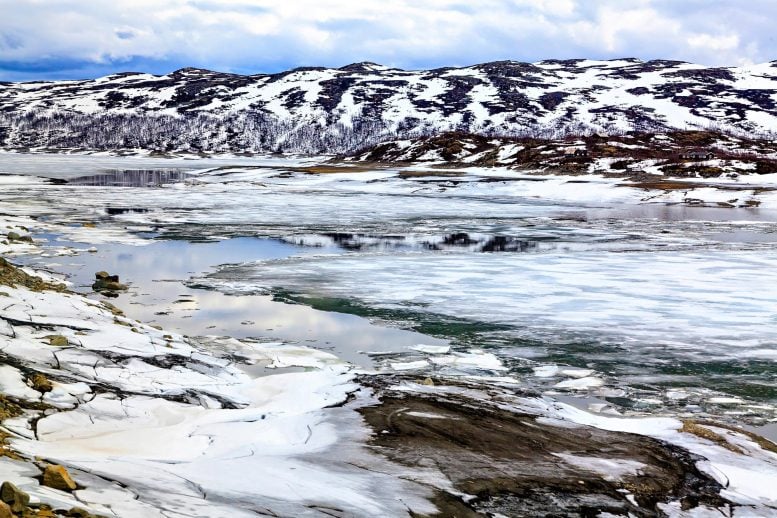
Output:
(320, 109)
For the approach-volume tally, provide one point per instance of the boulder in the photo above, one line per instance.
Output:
(5, 511)
(57, 477)
(107, 282)
(41, 383)
(107, 285)
(15, 236)
(14, 497)
(40, 511)
(58, 340)
(105, 276)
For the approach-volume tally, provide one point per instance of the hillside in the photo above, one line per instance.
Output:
(679, 154)
(316, 110)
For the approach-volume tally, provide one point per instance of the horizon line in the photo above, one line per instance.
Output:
(384, 67)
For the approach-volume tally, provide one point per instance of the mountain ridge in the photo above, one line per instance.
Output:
(369, 102)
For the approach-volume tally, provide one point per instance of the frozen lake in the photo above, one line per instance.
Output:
(584, 289)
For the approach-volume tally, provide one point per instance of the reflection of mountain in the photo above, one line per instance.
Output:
(318, 109)
(131, 178)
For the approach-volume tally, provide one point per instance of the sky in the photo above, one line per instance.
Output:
(74, 39)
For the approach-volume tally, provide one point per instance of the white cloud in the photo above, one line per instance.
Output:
(257, 35)
(713, 42)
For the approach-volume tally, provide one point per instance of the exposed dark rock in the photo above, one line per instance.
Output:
(107, 282)
(14, 497)
(551, 100)
(459, 239)
(514, 465)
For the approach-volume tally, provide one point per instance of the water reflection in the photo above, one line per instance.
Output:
(131, 178)
(157, 296)
(665, 212)
(744, 236)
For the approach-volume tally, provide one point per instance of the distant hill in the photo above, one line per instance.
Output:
(336, 110)
(644, 157)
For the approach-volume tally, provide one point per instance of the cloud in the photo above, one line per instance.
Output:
(56, 38)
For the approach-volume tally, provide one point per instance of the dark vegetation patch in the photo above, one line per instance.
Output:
(714, 154)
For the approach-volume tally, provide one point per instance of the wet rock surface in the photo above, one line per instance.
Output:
(514, 465)
(105, 282)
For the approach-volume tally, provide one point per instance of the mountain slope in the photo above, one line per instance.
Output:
(318, 109)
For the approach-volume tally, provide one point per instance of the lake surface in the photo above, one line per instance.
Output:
(650, 308)
(156, 274)
(131, 178)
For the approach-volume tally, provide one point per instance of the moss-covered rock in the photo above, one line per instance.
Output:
(15, 236)
(58, 340)
(113, 309)
(13, 276)
(8, 409)
(14, 497)
(40, 383)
